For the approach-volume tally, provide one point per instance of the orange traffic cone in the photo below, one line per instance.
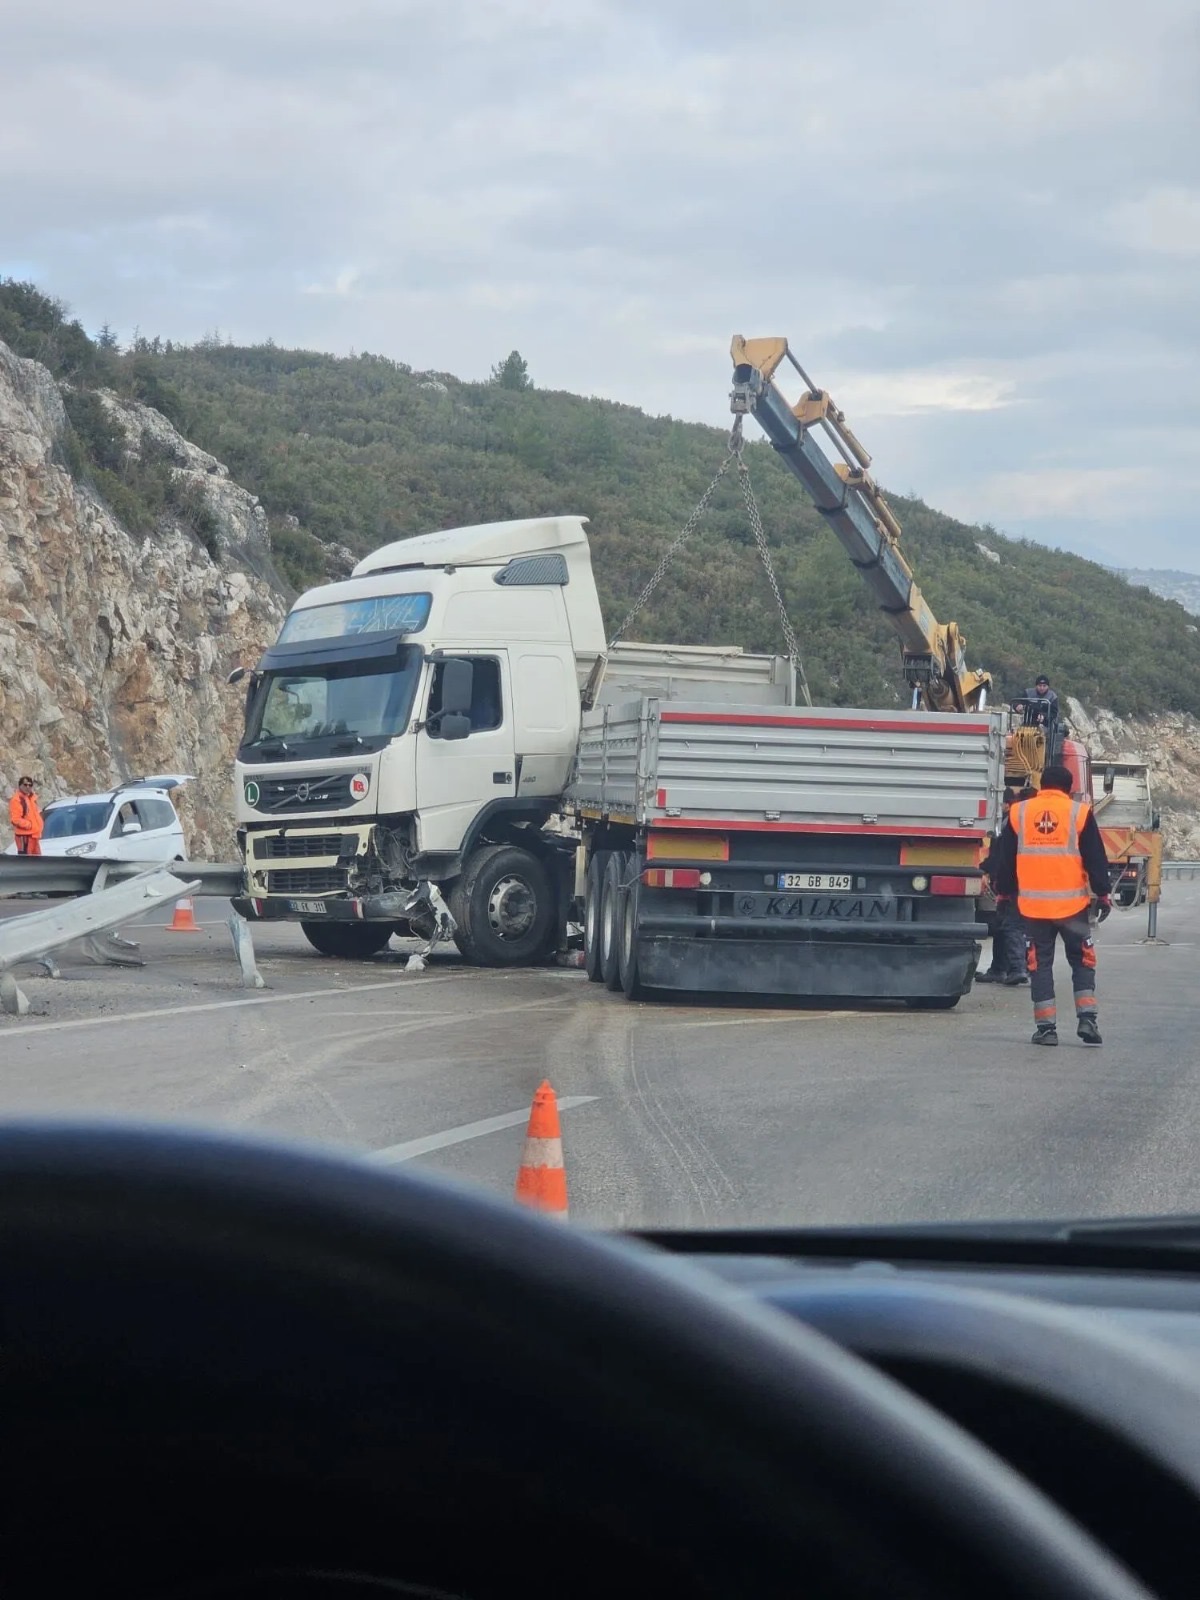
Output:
(184, 920)
(541, 1177)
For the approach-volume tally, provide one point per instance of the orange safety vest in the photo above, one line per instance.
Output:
(25, 816)
(1052, 882)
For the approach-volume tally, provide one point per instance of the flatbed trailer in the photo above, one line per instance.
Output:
(821, 852)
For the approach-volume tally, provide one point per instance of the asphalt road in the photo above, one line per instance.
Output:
(689, 1114)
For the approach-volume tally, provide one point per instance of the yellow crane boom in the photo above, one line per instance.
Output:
(843, 491)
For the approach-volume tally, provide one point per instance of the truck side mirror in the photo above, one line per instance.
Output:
(457, 684)
(1110, 778)
(454, 724)
(236, 675)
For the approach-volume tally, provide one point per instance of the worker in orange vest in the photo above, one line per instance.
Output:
(26, 818)
(1051, 856)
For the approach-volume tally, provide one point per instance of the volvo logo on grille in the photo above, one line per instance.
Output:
(302, 792)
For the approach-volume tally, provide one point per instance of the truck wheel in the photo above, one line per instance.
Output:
(591, 914)
(934, 1002)
(347, 941)
(627, 935)
(615, 873)
(504, 907)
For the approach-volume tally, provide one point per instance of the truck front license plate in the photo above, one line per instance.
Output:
(813, 880)
(308, 908)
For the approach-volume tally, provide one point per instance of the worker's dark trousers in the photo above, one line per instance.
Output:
(1008, 941)
(1041, 935)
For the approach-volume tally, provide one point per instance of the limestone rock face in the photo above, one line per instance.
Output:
(116, 646)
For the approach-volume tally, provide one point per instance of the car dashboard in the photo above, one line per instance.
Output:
(1079, 1365)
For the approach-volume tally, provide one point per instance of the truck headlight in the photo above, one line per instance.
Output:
(82, 849)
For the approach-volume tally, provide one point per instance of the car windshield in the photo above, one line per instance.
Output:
(65, 821)
(300, 706)
(615, 521)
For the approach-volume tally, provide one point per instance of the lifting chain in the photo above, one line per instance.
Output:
(733, 458)
(673, 549)
(760, 539)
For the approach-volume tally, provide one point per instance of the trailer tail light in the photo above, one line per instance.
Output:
(958, 886)
(663, 845)
(671, 877)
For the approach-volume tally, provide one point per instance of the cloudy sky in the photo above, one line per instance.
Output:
(978, 222)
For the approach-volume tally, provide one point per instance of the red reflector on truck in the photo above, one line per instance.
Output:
(959, 886)
(671, 877)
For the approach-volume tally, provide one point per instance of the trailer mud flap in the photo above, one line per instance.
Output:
(843, 970)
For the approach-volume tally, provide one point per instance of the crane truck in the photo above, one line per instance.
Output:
(450, 721)
(933, 654)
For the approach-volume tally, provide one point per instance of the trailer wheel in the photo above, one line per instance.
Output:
(628, 910)
(347, 941)
(504, 907)
(615, 873)
(933, 1002)
(591, 914)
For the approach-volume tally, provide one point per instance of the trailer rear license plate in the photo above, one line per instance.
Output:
(308, 908)
(813, 880)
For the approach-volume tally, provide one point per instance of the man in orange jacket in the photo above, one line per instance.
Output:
(1051, 857)
(26, 818)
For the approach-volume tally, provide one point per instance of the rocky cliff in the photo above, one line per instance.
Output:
(116, 647)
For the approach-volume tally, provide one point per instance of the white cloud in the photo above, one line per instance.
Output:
(1092, 493)
(342, 284)
(911, 393)
(1165, 221)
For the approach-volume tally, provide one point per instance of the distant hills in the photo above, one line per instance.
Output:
(1183, 587)
(348, 453)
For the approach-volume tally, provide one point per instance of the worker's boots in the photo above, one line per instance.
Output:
(1046, 1033)
(1088, 1031)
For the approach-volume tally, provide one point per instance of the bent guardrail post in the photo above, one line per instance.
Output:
(243, 949)
(109, 949)
(35, 934)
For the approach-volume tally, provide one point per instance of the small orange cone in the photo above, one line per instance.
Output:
(541, 1177)
(184, 920)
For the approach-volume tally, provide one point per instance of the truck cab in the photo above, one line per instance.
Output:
(423, 709)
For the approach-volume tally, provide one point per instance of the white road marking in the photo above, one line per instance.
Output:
(467, 1130)
(22, 1029)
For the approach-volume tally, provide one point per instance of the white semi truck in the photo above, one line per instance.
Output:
(450, 716)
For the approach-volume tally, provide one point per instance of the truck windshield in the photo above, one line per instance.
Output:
(358, 702)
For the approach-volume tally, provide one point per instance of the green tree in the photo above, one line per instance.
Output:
(512, 372)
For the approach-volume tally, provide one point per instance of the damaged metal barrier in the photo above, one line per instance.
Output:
(32, 937)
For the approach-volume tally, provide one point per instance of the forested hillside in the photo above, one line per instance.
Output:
(347, 453)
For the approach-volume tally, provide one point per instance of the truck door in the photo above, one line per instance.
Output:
(457, 778)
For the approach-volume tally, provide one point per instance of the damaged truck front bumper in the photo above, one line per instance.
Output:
(389, 907)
